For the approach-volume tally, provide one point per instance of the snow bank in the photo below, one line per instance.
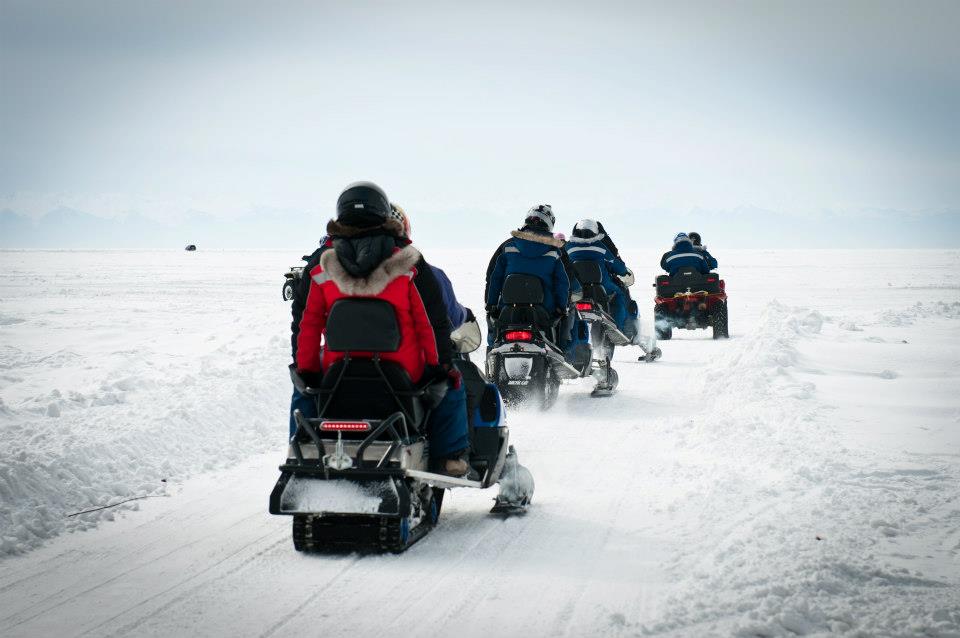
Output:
(123, 373)
(795, 533)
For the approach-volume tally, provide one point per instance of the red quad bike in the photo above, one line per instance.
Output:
(690, 300)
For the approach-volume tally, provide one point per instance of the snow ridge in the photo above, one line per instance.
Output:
(790, 562)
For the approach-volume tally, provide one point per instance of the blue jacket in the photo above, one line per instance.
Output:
(683, 255)
(456, 312)
(596, 249)
(532, 253)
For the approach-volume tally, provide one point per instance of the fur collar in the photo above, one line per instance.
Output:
(397, 264)
(586, 240)
(336, 229)
(549, 240)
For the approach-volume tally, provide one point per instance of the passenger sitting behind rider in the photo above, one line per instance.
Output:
(533, 250)
(684, 255)
(698, 245)
(372, 259)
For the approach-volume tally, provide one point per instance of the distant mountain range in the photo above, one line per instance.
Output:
(69, 229)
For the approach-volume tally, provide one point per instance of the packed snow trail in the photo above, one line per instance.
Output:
(800, 478)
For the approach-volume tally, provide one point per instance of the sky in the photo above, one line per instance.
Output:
(758, 122)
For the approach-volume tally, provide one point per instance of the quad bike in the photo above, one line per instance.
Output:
(524, 361)
(690, 300)
(292, 279)
(358, 477)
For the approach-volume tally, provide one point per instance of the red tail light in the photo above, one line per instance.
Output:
(518, 335)
(584, 305)
(665, 282)
(345, 426)
(711, 280)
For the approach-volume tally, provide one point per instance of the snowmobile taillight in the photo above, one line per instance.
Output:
(345, 426)
(584, 305)
(518, 335)
(711, 280)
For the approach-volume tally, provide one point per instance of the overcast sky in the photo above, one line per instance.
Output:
(474, 111)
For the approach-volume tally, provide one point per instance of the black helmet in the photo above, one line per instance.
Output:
(694, 238)
(363, 204)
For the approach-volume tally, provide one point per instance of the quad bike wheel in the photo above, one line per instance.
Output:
(288, 290)
(718, 320)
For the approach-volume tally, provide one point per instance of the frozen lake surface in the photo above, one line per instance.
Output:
(802, 477)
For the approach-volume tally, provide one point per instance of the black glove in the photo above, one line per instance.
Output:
(433, 373)
(434, 384)
(310, 379)
(470, 316)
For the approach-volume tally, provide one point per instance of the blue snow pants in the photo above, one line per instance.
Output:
(306, 404)
(447, 428)
(618, 306)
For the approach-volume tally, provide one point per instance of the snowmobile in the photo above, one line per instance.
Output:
(690, 300)
(597, 332)
(358, 477)
(524, 361)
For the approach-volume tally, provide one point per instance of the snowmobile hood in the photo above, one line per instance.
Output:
(531, 244)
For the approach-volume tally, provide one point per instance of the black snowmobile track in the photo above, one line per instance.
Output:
(345, 534)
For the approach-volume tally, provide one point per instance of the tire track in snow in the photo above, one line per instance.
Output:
(246, 563)
(104, 583)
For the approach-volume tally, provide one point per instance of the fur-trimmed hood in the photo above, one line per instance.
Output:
(391, 227)
(586, 240)
(400, 263)
(537, 238)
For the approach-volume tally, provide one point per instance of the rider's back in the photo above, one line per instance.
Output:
(683, 255)
(595, 249)
(532, 253)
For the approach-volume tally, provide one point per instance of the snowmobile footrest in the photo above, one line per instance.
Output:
(442, 480)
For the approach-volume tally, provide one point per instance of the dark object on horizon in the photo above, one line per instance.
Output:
(190, 247)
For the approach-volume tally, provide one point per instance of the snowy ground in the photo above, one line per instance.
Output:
(801, 478)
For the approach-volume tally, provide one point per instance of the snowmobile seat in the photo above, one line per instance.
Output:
(520, 289)
(588, 272)
(362, 386)
(358, 324)
(523, 296)
(590, 277)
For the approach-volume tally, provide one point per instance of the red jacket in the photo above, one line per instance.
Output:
(394, 280)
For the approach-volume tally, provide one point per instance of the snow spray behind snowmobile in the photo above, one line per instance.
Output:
(690, 300)
(524, 361)
(358, 476)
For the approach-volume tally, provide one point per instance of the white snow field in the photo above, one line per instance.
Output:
(800, 478)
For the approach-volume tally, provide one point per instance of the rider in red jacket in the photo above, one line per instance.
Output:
(371, 258)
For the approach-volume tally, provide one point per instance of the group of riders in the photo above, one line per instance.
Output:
(368, 252)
